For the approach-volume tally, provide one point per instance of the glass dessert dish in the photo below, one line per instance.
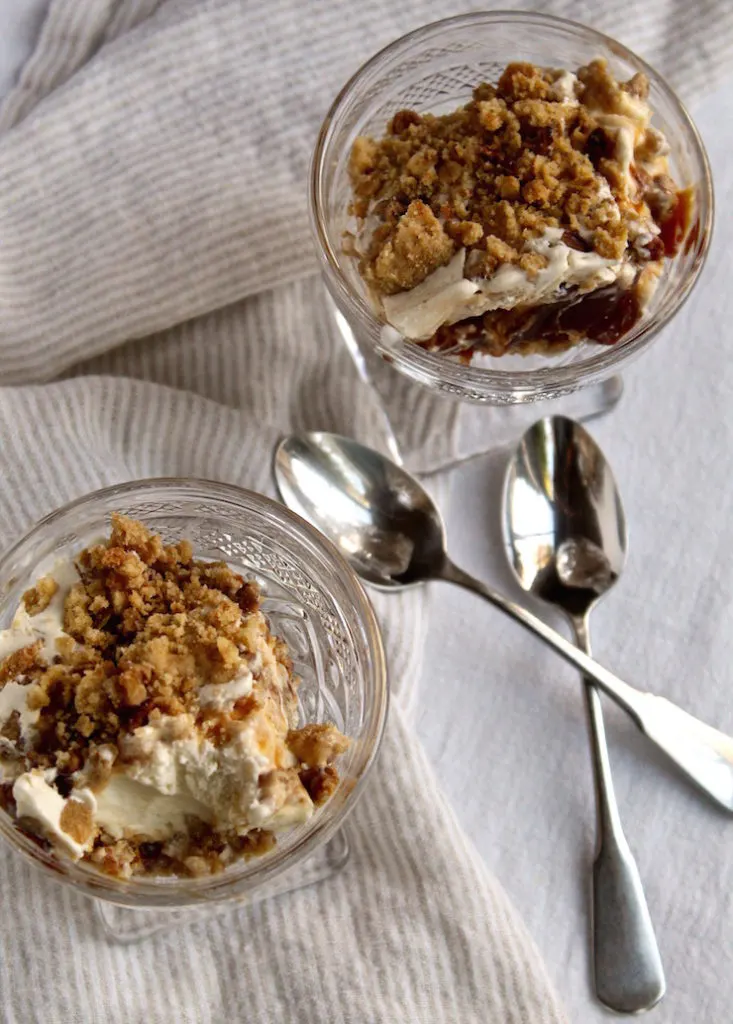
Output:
(312, 601)
(434, 71)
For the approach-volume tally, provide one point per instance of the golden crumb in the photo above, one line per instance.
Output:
(39, 597)
(464, 232)
(317, 744)
(11, 727)
(76, 820)
(21, 663)
(418, 246)
(320, 783)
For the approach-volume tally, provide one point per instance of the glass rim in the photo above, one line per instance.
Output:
(541, 382)
(180, 891)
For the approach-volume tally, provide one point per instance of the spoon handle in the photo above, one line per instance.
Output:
(702, 753)
(627, 967)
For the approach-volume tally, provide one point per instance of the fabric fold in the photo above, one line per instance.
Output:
(196, 127)
(408, 931)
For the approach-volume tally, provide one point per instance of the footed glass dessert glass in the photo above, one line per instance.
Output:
(313, 601)
(435, 70)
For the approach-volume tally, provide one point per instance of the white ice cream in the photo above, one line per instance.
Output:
(223, 696)
(172, 773)
(126, 806)
(563, 88)
(446, 296)
(14, 697)
(48, 625)
(37, 799)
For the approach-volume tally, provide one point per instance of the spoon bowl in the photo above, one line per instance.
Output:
(377, 514)
(564, 524)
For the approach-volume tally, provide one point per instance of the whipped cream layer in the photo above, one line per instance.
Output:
(48, 625)
(45, 628)
(446, 296)
(38, 800)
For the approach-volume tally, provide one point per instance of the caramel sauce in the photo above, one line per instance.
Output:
(674, 228)
(603, 316)
(693, 236)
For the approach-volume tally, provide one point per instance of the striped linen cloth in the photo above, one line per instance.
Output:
(158, 317)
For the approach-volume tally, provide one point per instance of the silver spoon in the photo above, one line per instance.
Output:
(565, 534)
(389, 529)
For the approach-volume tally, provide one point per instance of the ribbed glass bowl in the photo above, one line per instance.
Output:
(435, 70)
(312, 599)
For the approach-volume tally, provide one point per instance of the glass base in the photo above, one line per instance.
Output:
(125, 925)
(427, 432)
(504, 424)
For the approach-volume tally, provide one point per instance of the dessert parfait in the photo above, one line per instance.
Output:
(538, 215)
(148, 716)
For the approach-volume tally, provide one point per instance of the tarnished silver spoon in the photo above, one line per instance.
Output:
(389, 529)
(565, 534)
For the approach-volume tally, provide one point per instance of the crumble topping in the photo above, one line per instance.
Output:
(493, 226)
(148, 716)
